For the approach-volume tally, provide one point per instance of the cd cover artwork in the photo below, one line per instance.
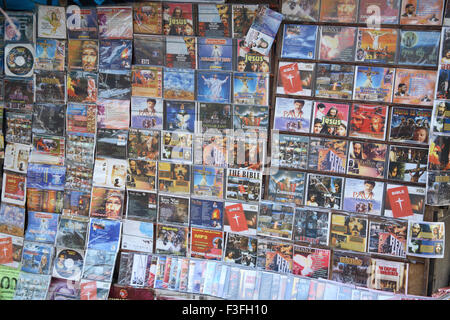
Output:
(389, 11)
(376, 45)
(46, 177)
(293, 115)
(82, 23)
(251, 88)
(179, 116)
(438, 188)
(37, 258)
(373, 83)
(181, 52)
(174, 178)
(417, 12)
(49, 119)
(76, 203)
(241, 250)
(215, 54)
(337, 43)
(414, 87)
(20, 27)
(50, 87)
(115, 22)
(243, 16)
(351, 269)
(45, 200)
(311, 262)
(114, 85)
(426, 239)
(324, 191)
(143, 144)
(442, 87)
(329, 155)
(176, 146)
(441, 118)
(363, 196)
(12, 220)
(179, 84)
(368, 121)
(178, 19)
(214, 117)
(72, 233)
(275, 220)
(18, 127)
(82, 55)
(19, 60)
(334, 81)
(142, 205)
(388, 238)
(330, 119)
(206, 213)
(80, 148)
(110, 173)
(146, 113)
(48, 149)
(81, 87)
(240, 218)
(408, 164)
(79, 177)
(439, 153)
(146, 81)
(206, 244)
(255, 118)
(410, 125)
(51, 22)
(141, 175)
(250, 61)
(98, 265)
(207, 181)
(149, 50)
(214, 87)
(367, 159)
(68, 264)
(289, 151)
(414, 195)
(419, 47)
(112, 143)
(113, 114)
(287, 187)
(274, 256)
(311, 226)
(299, 41)
(244, 185)
(115, 54)
(298, 10)
(50, 54)
(214, 20)
(19, 94)
(295, 78)
(41, 227)
(348, 233)
(344, 11)
(172, 240)
(106, 203)
(147, 18)
(16, 157)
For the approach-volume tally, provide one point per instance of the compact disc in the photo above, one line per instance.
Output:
(19, 60)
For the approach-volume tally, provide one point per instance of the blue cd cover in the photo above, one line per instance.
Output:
(115, 54)
(37, 258)
(82, 23)
(104, 234)
(45, 176)
(179, 115)
(179, 84)
(206, 213)
(42, 227)
(214, 86)
(251, 88)
(146, 113)
(299, 41)
(215, 54)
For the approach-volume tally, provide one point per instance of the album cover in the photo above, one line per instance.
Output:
(324, 191)
(76, 203)
(181, 52)
(343, 11)
(81, 87)
(414, 87)
(299, 41)
(141, 175)
(311, 262)
(112, 143)
(143, 144)
(289, 151)
(94, 290)
(104, 235)
(141, 205)
(80, 149)
(19, 59)
(115, 54)
(410, 125)
(14, 188)
(179, 116)
(146, 81)
(98, 265)
(171, 240)
(48, 149)
(300, 10)
(81, 118)
(248, 88)
(215, 53)
(214, 20)
(137, 236)
(146, 113)
(31, 286)
(334, 81)
(243, 16)
(206, 213)
(351, 269)
(18, 127)
(42, 176)
(443, 78)
(419, 48)
(179, 84)
(147, 17)
(50, 87)
(12, 220)
(246, 152)
(61, 289)
(388, 238)
(440, 119)
(48, 119)
(207, 181)
(438, 186)
(14, 243)
(79, 176)
(149, 50)
(68, 264)
(51, 22)
(115, 22)
(243, 185)
(215, 86)
(363, 196)
(275, 220)
(135, 269)
(368, 121)
(421, 13)
(19, 94)
(415, 196)
(174, 178)
(20, 27)
(295, 78)
(311, 226)
(82, 23)
(82, 55)
(408, 164)
(110, 173)
(113, 114)
(214, 118)
(328, 155)
(45, 200)
(444, 55)
(206, 244)
(178, 19)
(37, 258)
(106, 203)
(438, 155)
(330, 119)
(71, 233)
(376, 45)
(173, 210)
(337, 43)
(367, 159)
(16, 157)
(176, 146)
(211, 150)
(385, 12)
(373, 83)
(287, 187)
(240, 249)
(348, 233)
(240, 218)
(251, 119)
(50, 54)
(292, 115)
(426, 239)
(389, 276)
(274, 256)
